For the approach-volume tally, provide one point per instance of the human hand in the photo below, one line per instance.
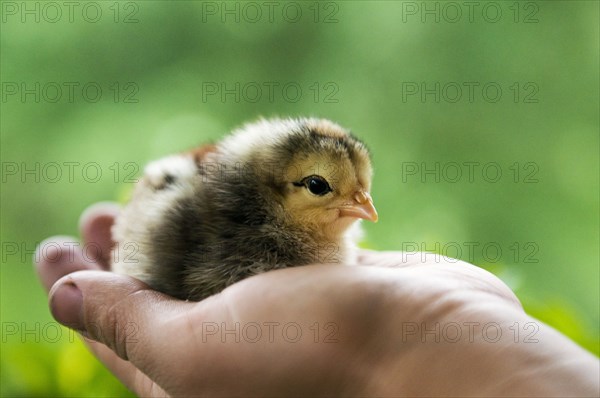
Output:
(387, 327)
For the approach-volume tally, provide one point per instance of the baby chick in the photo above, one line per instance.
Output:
(274, 194)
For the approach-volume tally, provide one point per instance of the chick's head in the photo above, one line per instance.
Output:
(320, 173)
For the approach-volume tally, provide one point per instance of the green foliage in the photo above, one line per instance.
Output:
(356, 69)
(58, 364)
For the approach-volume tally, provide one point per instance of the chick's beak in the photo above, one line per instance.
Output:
(362, 207)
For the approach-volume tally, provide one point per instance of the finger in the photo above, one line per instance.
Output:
(397, 259)
(95, 226)
(122, 313)
(58, 256)
(133, 378)
(389, 259)
(441, 267)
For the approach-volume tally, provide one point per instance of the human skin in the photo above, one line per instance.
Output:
(395, 325)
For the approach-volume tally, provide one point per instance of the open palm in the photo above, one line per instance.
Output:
(394, 325)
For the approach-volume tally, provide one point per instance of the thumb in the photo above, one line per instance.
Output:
(121, 312)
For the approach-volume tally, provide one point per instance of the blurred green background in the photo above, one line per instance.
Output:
(173, 75)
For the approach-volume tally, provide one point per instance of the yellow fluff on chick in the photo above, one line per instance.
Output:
(274, 194)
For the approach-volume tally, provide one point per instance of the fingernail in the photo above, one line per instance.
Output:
(66, 306)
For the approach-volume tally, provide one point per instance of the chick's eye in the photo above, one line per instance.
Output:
(317, 185)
